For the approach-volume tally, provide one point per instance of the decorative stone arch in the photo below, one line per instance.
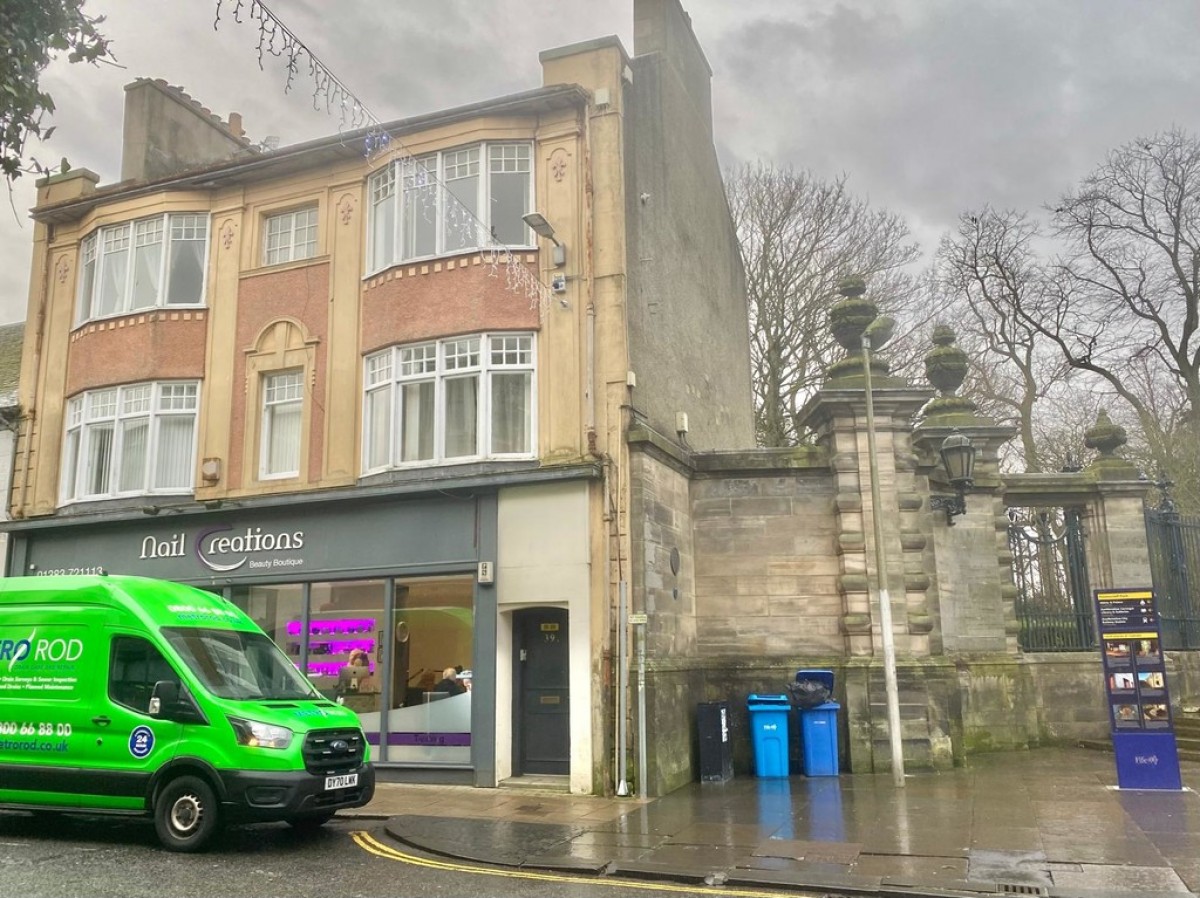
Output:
(282, 345)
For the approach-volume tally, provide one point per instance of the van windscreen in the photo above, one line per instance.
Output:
(239, 665)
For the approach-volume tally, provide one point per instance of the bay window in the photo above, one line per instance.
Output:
(130, 440)
(449, 202)
(461, 399)
(149, 263)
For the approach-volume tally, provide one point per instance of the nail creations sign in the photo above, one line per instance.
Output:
(1135, 684)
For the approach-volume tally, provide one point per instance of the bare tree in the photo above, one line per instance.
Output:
(1125, 304)
(800, 237)
(987, 273)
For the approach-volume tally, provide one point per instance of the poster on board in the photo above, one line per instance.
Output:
(1135, 688)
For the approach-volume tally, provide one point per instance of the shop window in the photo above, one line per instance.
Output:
(358, 655)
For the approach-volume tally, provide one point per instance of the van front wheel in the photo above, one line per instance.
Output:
(185, 815)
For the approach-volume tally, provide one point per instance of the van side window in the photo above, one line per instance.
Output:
(136, 666)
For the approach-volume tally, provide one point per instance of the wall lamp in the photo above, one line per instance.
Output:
(542, 228)
(958, 457)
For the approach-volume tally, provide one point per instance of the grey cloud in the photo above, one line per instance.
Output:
(930, 107)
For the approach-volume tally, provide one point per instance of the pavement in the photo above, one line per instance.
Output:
(1041, 822)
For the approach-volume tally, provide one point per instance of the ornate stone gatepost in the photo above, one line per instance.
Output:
(838, 415)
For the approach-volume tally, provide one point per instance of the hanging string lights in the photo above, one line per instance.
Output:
(357, 122)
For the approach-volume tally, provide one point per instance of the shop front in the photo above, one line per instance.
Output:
(388, 605)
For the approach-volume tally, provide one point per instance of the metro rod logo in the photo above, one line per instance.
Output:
(14, 650)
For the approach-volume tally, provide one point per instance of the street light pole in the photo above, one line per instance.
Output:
(885, 604)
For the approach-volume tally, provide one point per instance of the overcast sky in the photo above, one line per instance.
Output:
(930, 107)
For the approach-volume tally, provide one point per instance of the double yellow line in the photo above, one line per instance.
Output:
(370, 844)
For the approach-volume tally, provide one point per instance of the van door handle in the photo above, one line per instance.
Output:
(101, 721)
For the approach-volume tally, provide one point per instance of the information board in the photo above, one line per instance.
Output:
(1135, 683)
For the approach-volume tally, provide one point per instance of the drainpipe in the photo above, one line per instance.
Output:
(36, 368)
(622, 690)
(641, 698)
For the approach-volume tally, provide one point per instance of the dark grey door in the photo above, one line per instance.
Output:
(541, 723)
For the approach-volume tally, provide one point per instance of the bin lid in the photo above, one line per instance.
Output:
(769, 701)
(821, 676)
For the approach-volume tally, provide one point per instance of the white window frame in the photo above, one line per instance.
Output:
(452, 222)
(482, 356)
(285, 229)
(280, 390)
(112, 410)
(107, 248)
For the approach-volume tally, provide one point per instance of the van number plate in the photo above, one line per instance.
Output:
(341, 782)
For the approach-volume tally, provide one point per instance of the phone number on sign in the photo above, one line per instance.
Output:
(69, 571)
(8, 728)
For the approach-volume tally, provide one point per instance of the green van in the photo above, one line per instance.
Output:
(125, 695)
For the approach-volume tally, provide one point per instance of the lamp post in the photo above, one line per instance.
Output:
(878, 329)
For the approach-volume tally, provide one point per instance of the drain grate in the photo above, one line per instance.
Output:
(1019, 888)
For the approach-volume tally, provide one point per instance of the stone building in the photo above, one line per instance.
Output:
(355, 387)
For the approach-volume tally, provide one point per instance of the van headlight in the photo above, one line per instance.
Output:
(260, 735)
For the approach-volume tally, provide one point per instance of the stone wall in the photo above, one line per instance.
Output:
(760, 592)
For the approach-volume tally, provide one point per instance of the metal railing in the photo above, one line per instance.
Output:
(1174, 542)
(1054, 606)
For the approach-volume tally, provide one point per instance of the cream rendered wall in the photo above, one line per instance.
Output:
(543, 559)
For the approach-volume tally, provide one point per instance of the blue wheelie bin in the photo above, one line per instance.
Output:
(769, 733)
(818, 726)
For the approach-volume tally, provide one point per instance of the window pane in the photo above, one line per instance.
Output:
(278, 239)
(173, 462)
(177, 397)
(508, 198)
(304, 243)
(461, 204)
(99, 458)
(70, 464)
(420, 208)
(379, 427)
(114, 269)
(134, 436)
(383, 218)
(417, 423)
(511, 412)
(283, 394)
(185, 275)
(283, 451)
(462, 415)
(460, 354)
(147, 262)
(87, 278)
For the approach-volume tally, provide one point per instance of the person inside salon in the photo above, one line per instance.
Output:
(450, 684)
(356, 675)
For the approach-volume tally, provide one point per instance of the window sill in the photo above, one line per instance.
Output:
(284, 266)
(106, 320)
(446, 257)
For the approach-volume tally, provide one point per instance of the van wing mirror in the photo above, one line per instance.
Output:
(164, 700)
